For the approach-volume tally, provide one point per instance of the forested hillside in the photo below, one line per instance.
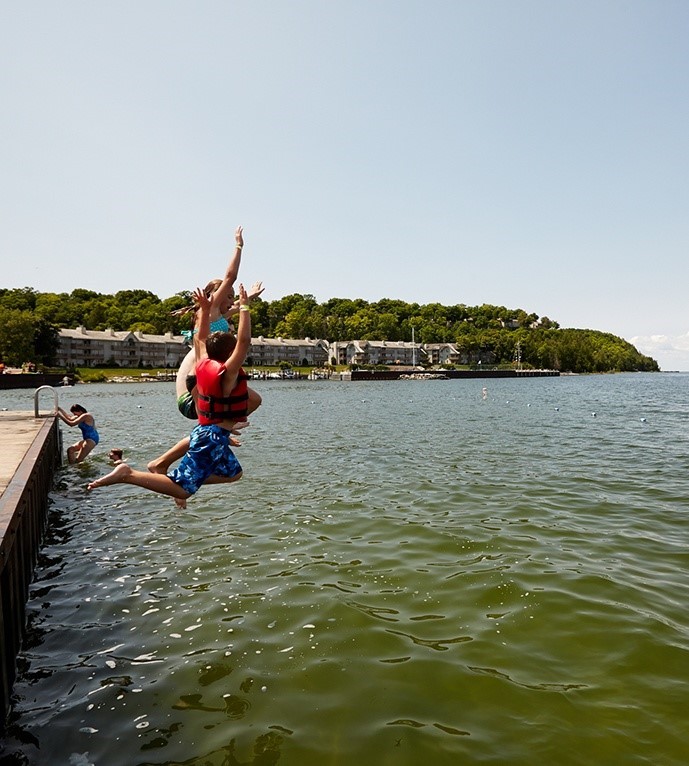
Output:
(29, 322)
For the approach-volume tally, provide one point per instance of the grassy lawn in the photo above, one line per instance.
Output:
(104, 374)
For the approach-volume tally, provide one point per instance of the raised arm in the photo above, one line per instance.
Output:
(204, 323)
(254, 291)
(225, 290)
(243, 344)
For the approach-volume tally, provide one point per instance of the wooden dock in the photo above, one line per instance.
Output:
(30, 452)
(396, 374)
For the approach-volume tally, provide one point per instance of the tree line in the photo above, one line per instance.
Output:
(30, 320)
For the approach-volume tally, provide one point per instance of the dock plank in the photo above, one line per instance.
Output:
(17, 433)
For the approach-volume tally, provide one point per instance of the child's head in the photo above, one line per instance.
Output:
(208, 290)
(219, 346)
(115, 454)
(211, 287)
(77, 409)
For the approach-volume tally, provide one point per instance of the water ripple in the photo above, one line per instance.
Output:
(492, 582)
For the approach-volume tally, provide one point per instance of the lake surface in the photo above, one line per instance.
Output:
(407, 574)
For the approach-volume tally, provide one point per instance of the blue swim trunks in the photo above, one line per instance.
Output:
(209, 454)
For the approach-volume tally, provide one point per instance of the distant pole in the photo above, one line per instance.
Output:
(413, 348)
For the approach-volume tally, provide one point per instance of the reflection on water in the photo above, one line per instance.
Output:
(408, 573)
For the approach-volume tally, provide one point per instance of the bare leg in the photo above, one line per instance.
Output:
(124, 474)
(186, 368)
(254, 402)
(162, 464)
(83, 449)
(72, 453)
(222, 479)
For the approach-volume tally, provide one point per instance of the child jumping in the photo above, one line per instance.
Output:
(222, 403)
(223, 304)
(220, 292)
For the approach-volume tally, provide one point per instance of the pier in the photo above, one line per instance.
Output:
(451, 374)
(34, 379)
(31, 451)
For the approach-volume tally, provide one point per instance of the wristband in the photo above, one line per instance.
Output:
(243, 307)
(238, 246)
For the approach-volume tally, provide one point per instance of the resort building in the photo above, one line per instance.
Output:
(377, 352)
(298, 353)
(88, 348)
(445, 353)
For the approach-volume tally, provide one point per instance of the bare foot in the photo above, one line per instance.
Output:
(180, 502)
(157, 466)
(116, 476)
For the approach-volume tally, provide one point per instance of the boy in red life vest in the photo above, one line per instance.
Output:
(222, 403)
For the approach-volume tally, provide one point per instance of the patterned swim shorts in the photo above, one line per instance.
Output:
(209, 454)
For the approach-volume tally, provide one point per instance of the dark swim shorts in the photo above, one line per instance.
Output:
(209, 454)
(187, 406)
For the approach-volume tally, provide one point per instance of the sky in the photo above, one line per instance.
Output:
(522, 153)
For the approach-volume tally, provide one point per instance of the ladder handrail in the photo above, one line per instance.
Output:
(35, 399)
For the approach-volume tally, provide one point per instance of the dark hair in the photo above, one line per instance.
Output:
(208, 290)
(117, 452)
(77, 408)
(219, 346)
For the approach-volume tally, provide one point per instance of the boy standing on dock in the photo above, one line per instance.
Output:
(223, 398)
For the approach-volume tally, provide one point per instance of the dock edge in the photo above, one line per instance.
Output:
(23, 517)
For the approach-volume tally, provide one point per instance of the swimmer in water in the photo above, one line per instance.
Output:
(89, 436)
(116, 456)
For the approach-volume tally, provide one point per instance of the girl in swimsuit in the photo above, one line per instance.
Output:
(89, 436)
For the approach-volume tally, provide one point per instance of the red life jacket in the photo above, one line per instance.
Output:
(212, 406)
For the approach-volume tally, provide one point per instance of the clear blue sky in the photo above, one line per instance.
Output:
(532, 154)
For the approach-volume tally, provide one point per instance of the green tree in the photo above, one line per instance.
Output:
(17, 336)
(21, 298)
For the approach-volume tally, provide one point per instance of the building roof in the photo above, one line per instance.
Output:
(120, 335)
(282, 342)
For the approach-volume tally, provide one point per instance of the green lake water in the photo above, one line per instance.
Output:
(408, 573)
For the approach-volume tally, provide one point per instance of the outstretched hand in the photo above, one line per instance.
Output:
(255, 290)
(242, 295)
(201, 299)
(238, 236)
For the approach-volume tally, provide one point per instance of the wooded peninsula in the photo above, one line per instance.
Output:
(30, 322)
